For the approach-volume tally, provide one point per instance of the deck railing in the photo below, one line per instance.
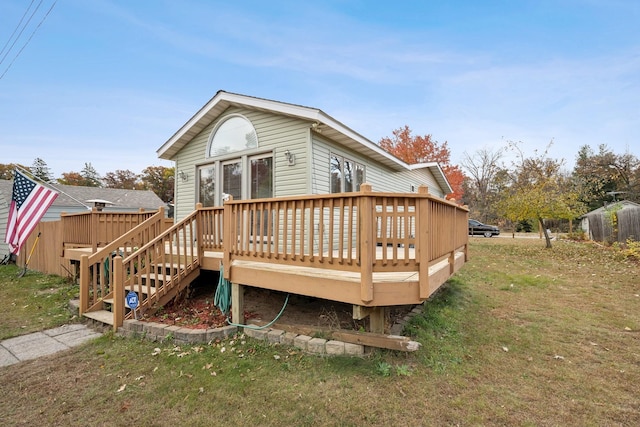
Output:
(96, 270)
(364, 233)
(97, 228)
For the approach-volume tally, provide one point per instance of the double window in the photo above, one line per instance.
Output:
(346, 174)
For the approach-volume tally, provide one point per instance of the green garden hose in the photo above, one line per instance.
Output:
(222, 300)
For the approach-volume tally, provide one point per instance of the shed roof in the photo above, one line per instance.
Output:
(327, 125)
(626, 204)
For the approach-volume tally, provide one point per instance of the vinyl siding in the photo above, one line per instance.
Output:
(275, 132)
(380, 177)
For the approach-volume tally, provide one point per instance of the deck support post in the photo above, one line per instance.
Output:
(367, 242)
(237, 303)
(84, 284)
(422, 246)
(377, 320)
(118, 293)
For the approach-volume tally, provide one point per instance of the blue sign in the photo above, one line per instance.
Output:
(132, 300)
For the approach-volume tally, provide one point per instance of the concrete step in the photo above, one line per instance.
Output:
(103, 316)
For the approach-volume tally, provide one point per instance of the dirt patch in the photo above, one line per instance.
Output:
(197, 310)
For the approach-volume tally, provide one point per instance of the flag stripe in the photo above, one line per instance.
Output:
(29, 203)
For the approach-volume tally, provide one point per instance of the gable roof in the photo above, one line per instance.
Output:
(327, 125)
(624, 204)
(129, 199)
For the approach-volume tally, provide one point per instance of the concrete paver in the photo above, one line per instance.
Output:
(38, 344)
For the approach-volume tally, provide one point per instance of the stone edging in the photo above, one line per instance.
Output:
(159, 332)
(154, 331)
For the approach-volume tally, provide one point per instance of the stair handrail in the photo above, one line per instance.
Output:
(123, 264)
(116, 244)
(87, 262)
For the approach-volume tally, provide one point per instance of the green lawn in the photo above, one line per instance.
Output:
(522, 336)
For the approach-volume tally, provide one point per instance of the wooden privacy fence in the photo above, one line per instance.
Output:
(46, 256)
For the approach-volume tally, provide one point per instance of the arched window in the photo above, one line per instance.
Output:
(234, 134)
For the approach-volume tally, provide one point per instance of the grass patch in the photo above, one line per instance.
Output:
(562, 348)
(33, 302)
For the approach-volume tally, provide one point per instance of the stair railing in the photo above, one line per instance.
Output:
(96, 270)
(159, 269)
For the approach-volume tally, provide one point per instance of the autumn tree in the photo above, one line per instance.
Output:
(539, 190)
(6, 170)
(424, 149)
(124, 179)
(71, 178)
(87, 177)
(160, 180)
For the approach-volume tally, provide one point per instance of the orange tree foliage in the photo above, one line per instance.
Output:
(423, 149)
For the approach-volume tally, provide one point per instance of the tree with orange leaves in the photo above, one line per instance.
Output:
(423, 149)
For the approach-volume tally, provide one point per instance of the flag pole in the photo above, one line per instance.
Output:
(48, 184)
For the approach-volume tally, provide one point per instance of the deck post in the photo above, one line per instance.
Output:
(237, 303)
(367, 241)
(199, 237)
(118, 293)
(84, 284)
(377, 320)
(93, 232)
(422, 240)
(227, 239)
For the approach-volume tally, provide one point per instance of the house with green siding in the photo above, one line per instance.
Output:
(250, 148)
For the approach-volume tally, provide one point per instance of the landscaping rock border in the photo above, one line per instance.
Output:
(154, 331)
(160, 332)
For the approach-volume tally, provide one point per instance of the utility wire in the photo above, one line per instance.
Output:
(30, 37)
(16, 29)
(21, 31)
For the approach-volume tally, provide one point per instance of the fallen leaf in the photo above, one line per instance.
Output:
(139, 378)
(122, 387)
(156, 351)
(626, 328)
(557, 357)
(505, 349)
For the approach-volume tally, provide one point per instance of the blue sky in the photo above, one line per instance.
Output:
(109, 81)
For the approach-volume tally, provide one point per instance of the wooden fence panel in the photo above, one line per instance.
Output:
(46, 257)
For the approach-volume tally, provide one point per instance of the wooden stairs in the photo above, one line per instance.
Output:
(154, 288)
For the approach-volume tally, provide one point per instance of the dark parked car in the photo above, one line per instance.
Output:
(476, 227)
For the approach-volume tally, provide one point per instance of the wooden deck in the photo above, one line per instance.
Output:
(367, 249)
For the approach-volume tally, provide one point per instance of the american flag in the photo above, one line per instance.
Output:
(29, 203)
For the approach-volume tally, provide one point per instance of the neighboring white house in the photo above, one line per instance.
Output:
(76, 199)
(251, 148)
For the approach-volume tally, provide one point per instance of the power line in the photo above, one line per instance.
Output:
(17, 26)
(21, 31)
(30, 37)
